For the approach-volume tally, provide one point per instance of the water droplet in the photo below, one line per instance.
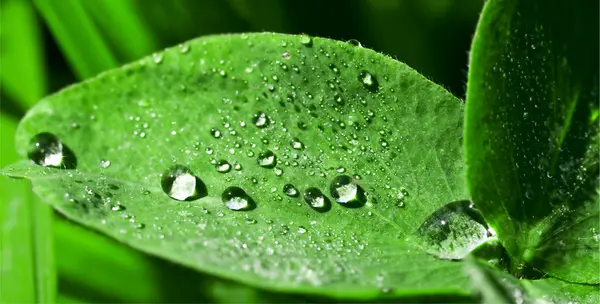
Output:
(261, 120)
(278, 171)
(181, 184)
(157, 57)
(290, 190)
(267, 159)
(306, 40)
(316, 200)
(235, 198)
(354, 42)
(223, 166)
(297, 144)
(104, 163)
(48, 151)
(118, 207)
(452, 231)
(216, 133)
(345, 191)
(301, 230)
(368, 80)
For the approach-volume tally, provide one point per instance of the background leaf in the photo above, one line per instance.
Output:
(164, 110)
(532, 130)
(495, 286)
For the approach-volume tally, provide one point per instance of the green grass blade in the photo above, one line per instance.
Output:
(80, 40)
(121, 24)
(23, 72)
(27, 267)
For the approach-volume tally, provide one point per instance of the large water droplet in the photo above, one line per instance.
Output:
(48, 151)
(235, 198)
(260, 119)
(290, 190)
(267, 159)
(453, 231)
(368, 80)
(316, 200)
(181, 184)
(346, 192)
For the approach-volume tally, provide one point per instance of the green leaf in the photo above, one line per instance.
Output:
(27, 260)
(323, 108)
(496, 286)
(532, 132)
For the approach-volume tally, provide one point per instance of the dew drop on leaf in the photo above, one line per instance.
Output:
(368, 80)
(181, 184)
(266, 159)
(297, 144)
(290, 190)
(453, 231)
(316, 200)
(216, 133)
(104, 163)
(346, 192)
(235, 198)
(354, 42)
(47, 150)
(223, 166)
(306, 40)
(260, 119)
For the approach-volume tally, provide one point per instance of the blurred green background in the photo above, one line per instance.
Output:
(48, 44)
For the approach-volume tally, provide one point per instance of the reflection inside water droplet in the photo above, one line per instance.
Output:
(181, 184)
(48, 151)
(452, 231)
(235, 198)
(316, 200)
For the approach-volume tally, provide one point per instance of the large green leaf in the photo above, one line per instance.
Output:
(330, 108)
(532, 132)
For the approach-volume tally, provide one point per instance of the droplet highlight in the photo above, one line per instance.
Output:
(235, 198)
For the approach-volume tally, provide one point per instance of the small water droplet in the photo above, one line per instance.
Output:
(118, 207)
(306, 40)
(345, 191)
(290, 190)
(223, 166)
(301, 230)
(354, 42)
(297, 144)
(316, 200)
(267, 159)
(216, 133)
(235, 198)
(261, 120)
(368, 80)
(278, 171)
(104, 163)
(48, 151)
(181, 184)
(184, 48)
(157, 57)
